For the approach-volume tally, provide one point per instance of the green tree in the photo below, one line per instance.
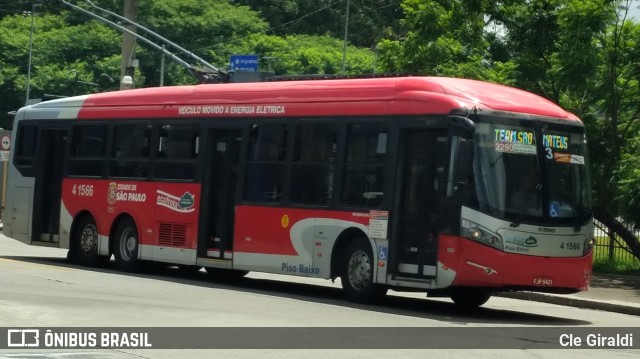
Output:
(16, 7)
(304, 54)
(66, 60)
(443, 37)
(204, 27)
(369, 20)
(618, 171)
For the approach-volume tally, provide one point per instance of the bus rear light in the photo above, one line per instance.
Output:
(588, 245)
(479, 234)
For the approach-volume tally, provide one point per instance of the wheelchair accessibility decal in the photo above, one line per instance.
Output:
(382, 253)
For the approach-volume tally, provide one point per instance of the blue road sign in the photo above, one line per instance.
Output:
(244, 62)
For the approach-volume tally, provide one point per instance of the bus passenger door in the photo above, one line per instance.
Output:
(424, 162)
(48, 185)
(221, 176)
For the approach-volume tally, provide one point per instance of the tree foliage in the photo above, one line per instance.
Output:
(444, 38)
(369, 20)
(65, 60)
(302, 54)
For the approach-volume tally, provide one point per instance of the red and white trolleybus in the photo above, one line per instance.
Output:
(456, 187)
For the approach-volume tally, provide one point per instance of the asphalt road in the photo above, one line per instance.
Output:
(39, 288)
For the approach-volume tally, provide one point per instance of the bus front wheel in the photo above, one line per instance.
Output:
(357, 274)
(84, 249)
(470, 298)
(126, 246)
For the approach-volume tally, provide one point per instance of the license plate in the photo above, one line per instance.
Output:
(543, 281)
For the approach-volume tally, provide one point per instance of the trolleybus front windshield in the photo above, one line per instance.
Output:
(528, 171)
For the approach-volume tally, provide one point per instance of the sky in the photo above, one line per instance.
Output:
(634, 12)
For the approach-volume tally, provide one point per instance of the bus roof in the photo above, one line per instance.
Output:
(357, 97)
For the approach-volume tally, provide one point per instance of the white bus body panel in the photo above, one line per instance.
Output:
(19, 198)
(533, 240)
(16, 216)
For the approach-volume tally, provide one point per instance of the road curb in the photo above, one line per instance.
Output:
(572, 301)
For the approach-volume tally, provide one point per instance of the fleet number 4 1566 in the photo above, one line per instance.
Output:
(572, 246)
(85, 190)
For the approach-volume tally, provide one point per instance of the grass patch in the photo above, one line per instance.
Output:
(616, 266)
(618, 261)
(611, 257)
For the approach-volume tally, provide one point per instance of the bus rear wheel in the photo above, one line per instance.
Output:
(470, 299)
(126, 246)
(84, 248)
(357, 274)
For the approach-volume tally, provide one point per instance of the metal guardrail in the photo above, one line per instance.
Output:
(610, 246)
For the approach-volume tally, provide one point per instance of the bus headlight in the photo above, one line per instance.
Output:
(588, 245)
(476, 233)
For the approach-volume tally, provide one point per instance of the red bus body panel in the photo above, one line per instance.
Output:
(267, 230)
(511, 270)
(359, 97)
(149, 203)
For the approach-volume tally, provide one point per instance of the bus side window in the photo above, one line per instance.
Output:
(88, 145)
(363, 183)
(130, 151)
(26, 149)
(313, 166)
(265, 166)
(177, 152)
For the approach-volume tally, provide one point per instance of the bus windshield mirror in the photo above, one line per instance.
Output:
(461, 126)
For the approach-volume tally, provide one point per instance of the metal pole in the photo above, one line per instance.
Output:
(162, 67)
(33, 9)
(75, 87)
(128, 40)
(612, 244)
(346, 32)
(5, 168)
